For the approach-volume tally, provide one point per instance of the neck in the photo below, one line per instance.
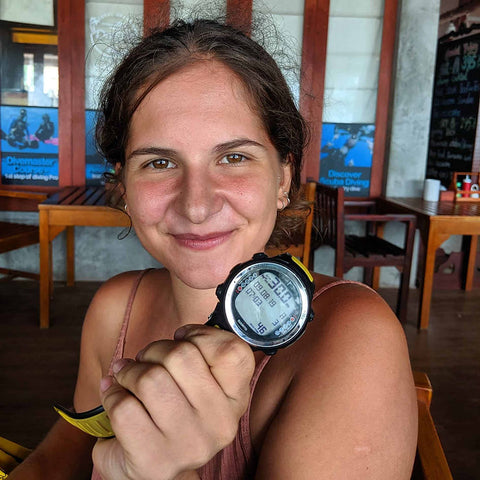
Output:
(191, 305)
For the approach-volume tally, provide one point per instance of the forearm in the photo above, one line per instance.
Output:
(63, 454)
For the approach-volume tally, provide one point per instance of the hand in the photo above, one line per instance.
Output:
(176, 405)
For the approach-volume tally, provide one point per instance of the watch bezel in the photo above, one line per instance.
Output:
(303, 290)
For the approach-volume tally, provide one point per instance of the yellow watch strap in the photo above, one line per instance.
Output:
(303, 267)
(94, 422)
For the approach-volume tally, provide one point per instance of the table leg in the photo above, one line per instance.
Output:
(434, 241)
(45, 269)
(472, 255)
(70, 256)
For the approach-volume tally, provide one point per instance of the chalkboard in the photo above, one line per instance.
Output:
(454, 108)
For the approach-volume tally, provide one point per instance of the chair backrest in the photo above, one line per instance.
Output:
(18, 235)
(368, 250)
(328, 222)
(432, 463)
(301, 243)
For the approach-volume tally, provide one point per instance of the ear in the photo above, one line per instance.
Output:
(285, 176)
(118, 170)
(120, 184)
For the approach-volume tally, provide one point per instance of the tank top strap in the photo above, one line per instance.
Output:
(340, 281)
(120, 347)
(244, 426)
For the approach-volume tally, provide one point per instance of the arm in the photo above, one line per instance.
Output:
(350, 410)
(65, 453)
(175, 406)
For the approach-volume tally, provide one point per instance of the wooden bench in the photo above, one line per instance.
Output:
(18, 235)
(65, 209)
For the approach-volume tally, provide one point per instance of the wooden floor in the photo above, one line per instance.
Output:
(38, 367)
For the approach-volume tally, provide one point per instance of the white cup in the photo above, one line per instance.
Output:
(431, 190)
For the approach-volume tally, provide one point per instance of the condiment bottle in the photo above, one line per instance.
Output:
(466, 186)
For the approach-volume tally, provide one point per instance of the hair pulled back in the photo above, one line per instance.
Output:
(165, 52)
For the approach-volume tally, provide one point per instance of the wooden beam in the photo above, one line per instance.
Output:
(312, 86)
(71, 111)
(384, 96)
(155, 14)
(239, 14)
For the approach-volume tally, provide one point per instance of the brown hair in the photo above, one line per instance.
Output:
(166, 51)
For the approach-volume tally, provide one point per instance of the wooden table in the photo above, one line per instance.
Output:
(437, 221)
(65, 209)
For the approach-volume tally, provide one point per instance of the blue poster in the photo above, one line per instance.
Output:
(95, 164)
(346, 157)
(29, 145)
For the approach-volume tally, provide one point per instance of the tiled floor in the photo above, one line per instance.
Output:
(38, 367)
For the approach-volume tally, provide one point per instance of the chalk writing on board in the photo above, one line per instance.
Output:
(454, 108)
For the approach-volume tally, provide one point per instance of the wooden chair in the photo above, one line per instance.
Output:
(18, 235)
(300, 245)
(431, 463)
(369, 251)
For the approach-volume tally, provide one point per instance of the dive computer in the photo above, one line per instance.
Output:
(265, 301)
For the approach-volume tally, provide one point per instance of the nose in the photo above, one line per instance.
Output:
(198, 197)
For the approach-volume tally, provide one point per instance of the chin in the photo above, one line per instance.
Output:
(201, 281)
(209, 274)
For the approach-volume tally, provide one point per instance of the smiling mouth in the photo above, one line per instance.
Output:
(201, 242)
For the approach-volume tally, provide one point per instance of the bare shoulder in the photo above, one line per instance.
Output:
(354, 332)
(344, 307)
(107, 308)
(100, 332)
(350, 403)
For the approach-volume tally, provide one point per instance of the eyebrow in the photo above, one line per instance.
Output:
(240, 142)
(157, 151)
(220, 148)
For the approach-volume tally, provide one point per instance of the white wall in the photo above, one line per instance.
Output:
(108, 23)
(353, 53)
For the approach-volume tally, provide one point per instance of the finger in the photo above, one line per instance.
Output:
(121, 406)
(108, 457)
(230, 359)
(171, 421)
(187, 366)
(214, 416)
(156, 388)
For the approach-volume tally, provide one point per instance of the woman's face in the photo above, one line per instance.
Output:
(203, 181)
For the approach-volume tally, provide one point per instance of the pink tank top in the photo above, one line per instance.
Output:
(237, 461)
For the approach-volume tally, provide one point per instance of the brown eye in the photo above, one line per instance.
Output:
(233, 158)
(161, 164)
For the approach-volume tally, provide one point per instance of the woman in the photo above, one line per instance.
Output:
(207, 146)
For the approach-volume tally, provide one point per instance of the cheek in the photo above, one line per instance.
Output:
(258, 196)
(146, 202)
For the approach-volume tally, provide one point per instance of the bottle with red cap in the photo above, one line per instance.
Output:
(466, 186)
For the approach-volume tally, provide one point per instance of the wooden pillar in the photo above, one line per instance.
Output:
(314, 59)
(384, 96)
(155, 14)
(71, 111)
(239, 14)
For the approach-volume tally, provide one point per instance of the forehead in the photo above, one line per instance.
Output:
(201, 89)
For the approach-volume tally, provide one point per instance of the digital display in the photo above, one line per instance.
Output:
(266, 303)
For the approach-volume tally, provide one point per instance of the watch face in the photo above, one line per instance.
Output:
(266, 304)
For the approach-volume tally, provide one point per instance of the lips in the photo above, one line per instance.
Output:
(201, 242)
